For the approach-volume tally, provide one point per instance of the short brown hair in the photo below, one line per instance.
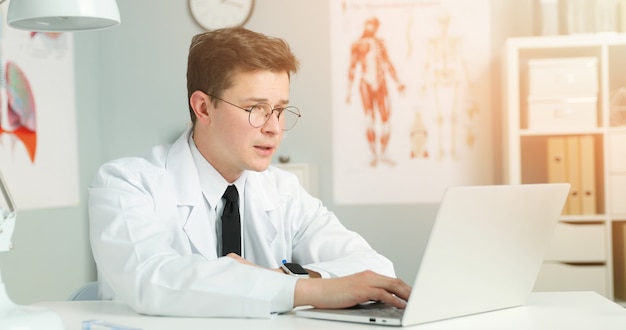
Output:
(215, 56)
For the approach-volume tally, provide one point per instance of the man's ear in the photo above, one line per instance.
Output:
(200, 103)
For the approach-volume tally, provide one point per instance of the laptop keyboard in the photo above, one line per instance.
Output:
(377, 309)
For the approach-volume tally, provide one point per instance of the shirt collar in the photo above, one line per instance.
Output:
(212, 182)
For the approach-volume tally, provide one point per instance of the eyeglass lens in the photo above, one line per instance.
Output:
(261, 113)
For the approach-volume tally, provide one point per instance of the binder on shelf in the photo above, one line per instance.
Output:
(587, 175)
(572, 163)
(572, 159)
(556, 163)
(619, 258)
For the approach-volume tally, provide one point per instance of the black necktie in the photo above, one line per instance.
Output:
(231, 227)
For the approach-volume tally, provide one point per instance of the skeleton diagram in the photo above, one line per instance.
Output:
(368, 53)
(445, 70)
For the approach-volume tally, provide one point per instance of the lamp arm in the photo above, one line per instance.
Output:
(7, 226)
(7, 216)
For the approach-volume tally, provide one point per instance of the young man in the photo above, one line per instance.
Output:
(156, 227)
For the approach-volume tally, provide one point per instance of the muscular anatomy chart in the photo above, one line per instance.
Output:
(369, 55)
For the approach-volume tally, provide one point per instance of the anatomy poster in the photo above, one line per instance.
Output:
(38, 146)
(410, 99)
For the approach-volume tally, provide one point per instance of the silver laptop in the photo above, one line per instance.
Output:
(484, 253)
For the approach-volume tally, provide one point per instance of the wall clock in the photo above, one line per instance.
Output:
(216, 14)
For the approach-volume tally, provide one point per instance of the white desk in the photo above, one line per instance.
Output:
(562, 310)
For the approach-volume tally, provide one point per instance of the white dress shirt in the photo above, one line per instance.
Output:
(154, 240)
(213, 186)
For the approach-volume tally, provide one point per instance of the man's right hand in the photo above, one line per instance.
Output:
(351, 290)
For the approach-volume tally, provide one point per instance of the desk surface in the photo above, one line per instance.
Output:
(544, 310)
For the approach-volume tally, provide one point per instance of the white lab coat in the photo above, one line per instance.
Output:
(155, 250)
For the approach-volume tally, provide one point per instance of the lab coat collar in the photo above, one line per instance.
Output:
(180, 164)
(263, 221)
(189, 199)
(261, 201)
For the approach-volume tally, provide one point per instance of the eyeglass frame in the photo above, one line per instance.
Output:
(249, 111)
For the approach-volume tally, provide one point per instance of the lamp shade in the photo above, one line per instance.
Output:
(62, 15)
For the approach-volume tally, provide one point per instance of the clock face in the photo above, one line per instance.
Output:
(216, 14)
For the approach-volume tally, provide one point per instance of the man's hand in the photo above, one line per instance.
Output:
(351, 290)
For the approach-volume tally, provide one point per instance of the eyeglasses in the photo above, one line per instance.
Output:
(260, 113)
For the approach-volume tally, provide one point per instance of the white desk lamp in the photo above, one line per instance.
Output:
(62, 15)
(12, 316)
(51, 16)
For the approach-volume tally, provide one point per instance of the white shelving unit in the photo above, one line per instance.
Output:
(589, 248)
(306, 173)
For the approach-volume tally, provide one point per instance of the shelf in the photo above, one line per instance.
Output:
(617, 129)
(552, 135)
(583, 218)
(581, 40)
(531, 132)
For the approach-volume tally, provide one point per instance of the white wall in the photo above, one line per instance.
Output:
(131, 95)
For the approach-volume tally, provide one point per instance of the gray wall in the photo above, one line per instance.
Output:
(131, 95)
